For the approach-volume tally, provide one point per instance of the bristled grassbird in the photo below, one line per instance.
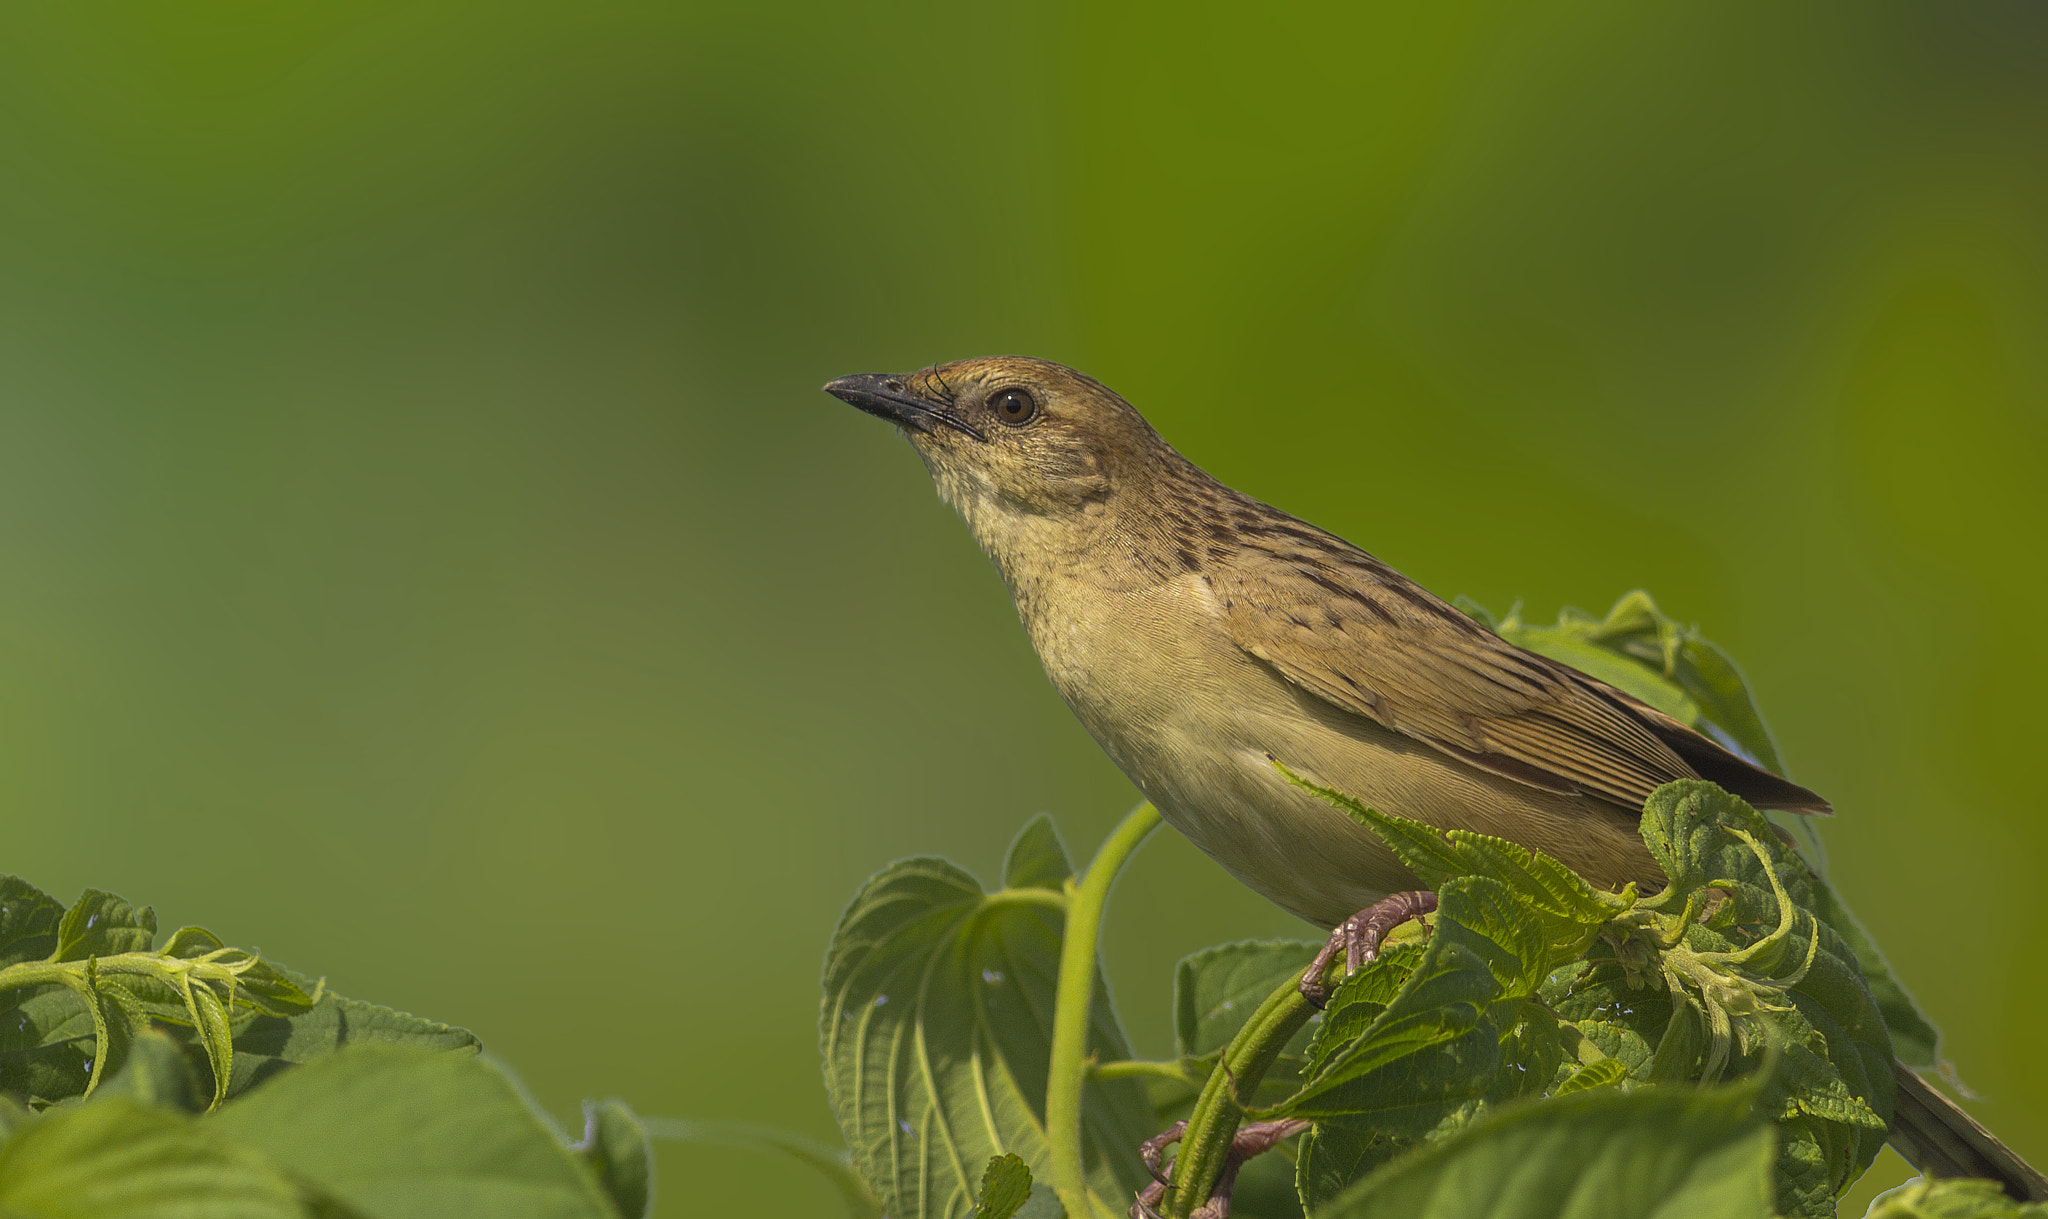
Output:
(1199, 634)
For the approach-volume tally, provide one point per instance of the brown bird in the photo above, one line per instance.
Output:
(1198, 633)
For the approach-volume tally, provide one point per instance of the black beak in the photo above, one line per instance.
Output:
(888, 397)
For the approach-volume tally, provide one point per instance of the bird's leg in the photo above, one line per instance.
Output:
(1251, 1139)
(1151, 1149)
(1359, 936)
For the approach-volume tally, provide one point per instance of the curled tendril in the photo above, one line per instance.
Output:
(1733, 990)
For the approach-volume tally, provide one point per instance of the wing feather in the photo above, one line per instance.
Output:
(1364, 638)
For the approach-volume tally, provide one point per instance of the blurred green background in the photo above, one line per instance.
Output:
(425, 553)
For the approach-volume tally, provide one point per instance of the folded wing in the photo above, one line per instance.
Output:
(1356, 633)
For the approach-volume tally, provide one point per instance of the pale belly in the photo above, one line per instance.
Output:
(1196, 724)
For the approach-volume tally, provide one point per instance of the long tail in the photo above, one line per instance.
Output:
(1939, 1139)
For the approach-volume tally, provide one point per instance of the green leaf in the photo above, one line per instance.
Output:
(157, 1073)
(616, 1150)
(1216, 989)
(1951, 1198)
(121, 1159)
(1671, 667)
(268, 1044)
(1384, 1070)
(1571, 910)
(1482, 960)
(1656, 1153)
(1037, 859)
(1676, 670)
(1726, 967)
(210, 1020)
(853, 1190)
(1788, 987)
(100, 924)
(99, 982)
(28, 921)
(47, 1044)
(936, 1031)
(396, 1132)
(1602, 1074)
(1004, 1187)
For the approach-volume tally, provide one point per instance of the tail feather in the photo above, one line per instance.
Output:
(1939, 1139)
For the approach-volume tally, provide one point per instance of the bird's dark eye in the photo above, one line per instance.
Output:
(1013, 406)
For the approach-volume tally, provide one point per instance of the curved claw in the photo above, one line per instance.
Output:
(1359, 938)
(1150, 1150)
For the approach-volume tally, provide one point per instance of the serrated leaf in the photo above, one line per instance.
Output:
(210, 1020)
(28, 921)
(46, 1045)
(1834, 1088)
(1482, 959)
(267, 1044)
(120, 1159)
(1037, 859)
(1334, 1155)
(616, 1150)
(1804, 1170)
(395, 1132)
(1387, 1070)
(936, 1031)
(1005, 1185)
(1675, 669)
(1656, 1153)
(1681, 826)
(99, 924)
(1571, 910)
(1602, 1074)
(1422, 1062)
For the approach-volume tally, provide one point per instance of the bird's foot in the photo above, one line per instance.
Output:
(1251, 1139)
(1359, 936)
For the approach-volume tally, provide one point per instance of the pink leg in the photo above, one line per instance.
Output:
(1359, 936)
(1253, 1139)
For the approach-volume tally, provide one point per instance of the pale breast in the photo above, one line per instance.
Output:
(1193, 721)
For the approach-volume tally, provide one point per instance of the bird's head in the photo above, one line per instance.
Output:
(1009, 437)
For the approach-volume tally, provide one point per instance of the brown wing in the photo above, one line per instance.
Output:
(1365, 638)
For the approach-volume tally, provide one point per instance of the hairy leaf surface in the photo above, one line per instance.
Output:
(1675, 669)
(937, 1027)
(396, 1132)
(239, 1018)
(1659, 1153)
(122, 1159)
(1214, 990)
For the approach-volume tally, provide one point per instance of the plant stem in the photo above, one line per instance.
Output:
(1071, 1008)
(1140, 1068)
(1220, 1107)
(1027, 897)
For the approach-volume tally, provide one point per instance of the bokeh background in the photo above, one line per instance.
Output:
(425, 553)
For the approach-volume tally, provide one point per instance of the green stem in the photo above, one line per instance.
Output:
(1048, 898)
(1071, 1008)
(1220, 1107)
(1139, 1068)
